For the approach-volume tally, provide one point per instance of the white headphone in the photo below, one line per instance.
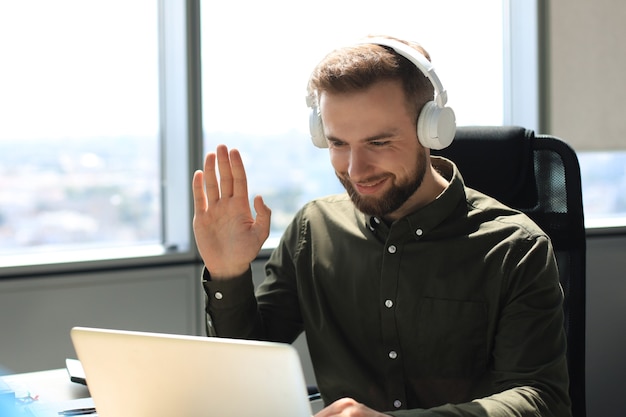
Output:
(436, 124)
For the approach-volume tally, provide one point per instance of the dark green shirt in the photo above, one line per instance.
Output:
(454, 310)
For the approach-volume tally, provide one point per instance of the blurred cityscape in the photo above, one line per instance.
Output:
(604, 188)
(98, 190)
(106, 191)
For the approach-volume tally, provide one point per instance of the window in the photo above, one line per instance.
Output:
(101, 124)
(79, 138)
(603, 175)
(257, 56)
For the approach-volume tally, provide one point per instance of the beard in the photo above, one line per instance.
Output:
(392, 199)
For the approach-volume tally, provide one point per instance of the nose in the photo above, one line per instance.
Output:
(359, 163)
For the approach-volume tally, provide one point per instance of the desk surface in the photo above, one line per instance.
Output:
(46, 386)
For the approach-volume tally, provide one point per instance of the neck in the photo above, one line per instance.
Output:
(433, 185)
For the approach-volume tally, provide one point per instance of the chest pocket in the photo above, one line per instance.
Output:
(452, 338)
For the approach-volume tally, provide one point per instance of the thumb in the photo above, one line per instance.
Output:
(263, 215)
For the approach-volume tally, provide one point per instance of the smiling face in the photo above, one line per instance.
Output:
(375, 151)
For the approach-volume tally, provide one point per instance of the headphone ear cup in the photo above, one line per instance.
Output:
(316, 129)
(436, 126)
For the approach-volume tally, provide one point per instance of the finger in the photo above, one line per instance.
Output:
(225, 170)
(199, 195)
(210, 179)
(240, 180)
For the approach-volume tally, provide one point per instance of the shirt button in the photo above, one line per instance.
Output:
(219, 295)
(388, 303)
(392, 249)
(419, 232)
(397, 403)
(393, 354)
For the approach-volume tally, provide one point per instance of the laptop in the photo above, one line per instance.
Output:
(132, 374)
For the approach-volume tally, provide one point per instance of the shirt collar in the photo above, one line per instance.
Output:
(421, 222)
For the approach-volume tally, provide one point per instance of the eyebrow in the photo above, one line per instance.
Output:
(383, 135)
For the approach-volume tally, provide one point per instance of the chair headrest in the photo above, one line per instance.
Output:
(496, 160)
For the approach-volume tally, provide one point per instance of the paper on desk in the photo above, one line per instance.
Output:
(52, 408)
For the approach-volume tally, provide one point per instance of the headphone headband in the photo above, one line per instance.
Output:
(419, 60)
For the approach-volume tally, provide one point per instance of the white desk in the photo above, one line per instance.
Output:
(50, 391)
(48, 386)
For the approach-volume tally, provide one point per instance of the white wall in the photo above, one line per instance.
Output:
(36, 314)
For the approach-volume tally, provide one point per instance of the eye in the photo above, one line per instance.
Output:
(335, 143)
(379, 143)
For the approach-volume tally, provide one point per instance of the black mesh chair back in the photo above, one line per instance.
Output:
(539, 175)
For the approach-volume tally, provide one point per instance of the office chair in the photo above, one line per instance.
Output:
(539, 175)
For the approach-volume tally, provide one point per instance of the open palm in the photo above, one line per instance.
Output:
(227, 235)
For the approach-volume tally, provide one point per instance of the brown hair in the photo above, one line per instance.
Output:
(357, 67)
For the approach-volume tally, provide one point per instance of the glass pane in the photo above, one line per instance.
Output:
(603, 177)
(79, 148)
(257, 57)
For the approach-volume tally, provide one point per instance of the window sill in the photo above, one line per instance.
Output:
(66, 260)
(608, 226)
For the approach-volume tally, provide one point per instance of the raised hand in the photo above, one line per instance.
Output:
(227, 235)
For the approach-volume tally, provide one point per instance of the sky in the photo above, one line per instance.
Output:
(271, 60)
(78, 67)
(75, 68)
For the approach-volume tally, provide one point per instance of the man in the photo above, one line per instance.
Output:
(418, 295)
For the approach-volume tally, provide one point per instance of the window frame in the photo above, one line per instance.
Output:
(521, 64)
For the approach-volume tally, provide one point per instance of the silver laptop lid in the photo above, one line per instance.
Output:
(139, 374)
